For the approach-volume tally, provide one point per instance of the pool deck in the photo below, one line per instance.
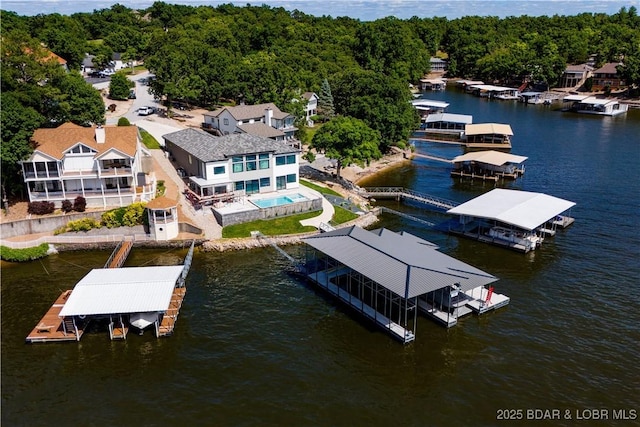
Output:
(245, 204)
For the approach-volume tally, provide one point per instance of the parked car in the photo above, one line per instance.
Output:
(132, 94)
(145, 111)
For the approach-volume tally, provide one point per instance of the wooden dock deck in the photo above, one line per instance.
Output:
(170, 317)
(50, 328)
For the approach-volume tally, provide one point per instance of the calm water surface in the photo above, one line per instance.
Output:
(254, 346)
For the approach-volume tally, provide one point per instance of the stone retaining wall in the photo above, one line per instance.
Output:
(43, 224)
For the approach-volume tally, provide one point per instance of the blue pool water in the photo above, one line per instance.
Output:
(279, 201)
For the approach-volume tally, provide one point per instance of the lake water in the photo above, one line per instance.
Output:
(255, 346)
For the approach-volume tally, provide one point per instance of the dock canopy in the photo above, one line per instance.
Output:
(105, 291)
(405, 264)
(449, 118)
(522, 209)
(491, 157)
(488, 129)
(428, 104)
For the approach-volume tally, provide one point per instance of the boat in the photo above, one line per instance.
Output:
(143, 320)
(591, 105)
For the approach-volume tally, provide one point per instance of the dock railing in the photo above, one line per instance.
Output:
(401, 192)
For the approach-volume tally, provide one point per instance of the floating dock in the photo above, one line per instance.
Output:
(50, 328)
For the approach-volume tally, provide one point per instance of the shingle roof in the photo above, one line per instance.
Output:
(55, 141)
(608, 68)
(403, 263)
(260, 129)
(209, 148)
(247, 112)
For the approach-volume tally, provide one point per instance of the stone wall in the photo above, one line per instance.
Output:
(43, 224)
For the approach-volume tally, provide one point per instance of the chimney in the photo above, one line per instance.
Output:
(100, 135)
(268, 114)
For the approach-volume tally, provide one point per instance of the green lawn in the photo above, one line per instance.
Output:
(271, 227)
(318, 188)
(148, 140)
(342, 215)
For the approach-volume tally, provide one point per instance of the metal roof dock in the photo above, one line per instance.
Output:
(516, 219)
(386, 276)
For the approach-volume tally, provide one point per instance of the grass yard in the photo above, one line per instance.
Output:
(270, 227)
(148, 140)
(342, 215)
(320, 189)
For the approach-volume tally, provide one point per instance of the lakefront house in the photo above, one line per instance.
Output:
(263, 120)
(224, 167)
(107, 165)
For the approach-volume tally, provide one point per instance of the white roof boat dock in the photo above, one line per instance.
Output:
(136, 296)
(591, 105)
(443, 127)
(428, 106)
(488, 135)
(515, 219)
(433, 84)
(387, 276)
(491, 91)
(468, 83)
(488, 165)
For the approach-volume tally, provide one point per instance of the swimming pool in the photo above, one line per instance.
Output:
(279, 201)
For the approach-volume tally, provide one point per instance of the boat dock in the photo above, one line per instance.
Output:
(479, 300)
(50, 328)
(117, 294)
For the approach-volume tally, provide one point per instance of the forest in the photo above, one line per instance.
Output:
(208, 56)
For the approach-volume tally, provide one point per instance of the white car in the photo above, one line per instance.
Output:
(145, 111)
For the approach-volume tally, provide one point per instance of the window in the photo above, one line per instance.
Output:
(289, 159)
(252, 186)
(238, 164)
(221, 189)
(291, 178)
(239, 185)
(265, 182)
(264, 161)
(281, 182)
(218, 170)
(226, 122)
(251, 162)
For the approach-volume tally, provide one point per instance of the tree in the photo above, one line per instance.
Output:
(17, 125)
(325, 100)
(120, 86)
(347, 140)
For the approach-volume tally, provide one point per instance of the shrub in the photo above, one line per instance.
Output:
(160, 188)
(67, 206)
(79, 204)
(83, 224)
(123, 121)
(113, 218)
(41, 208)
(133, 215)
(22, 255)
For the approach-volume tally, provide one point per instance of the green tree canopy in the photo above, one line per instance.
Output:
(347, 140)
(120, 86)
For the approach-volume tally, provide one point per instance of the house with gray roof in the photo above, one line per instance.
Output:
(261, 117)
(223, 167)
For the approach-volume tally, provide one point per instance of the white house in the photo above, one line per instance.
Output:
(311, 109)
(106, 165)
(264, 118)
(223, 167)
